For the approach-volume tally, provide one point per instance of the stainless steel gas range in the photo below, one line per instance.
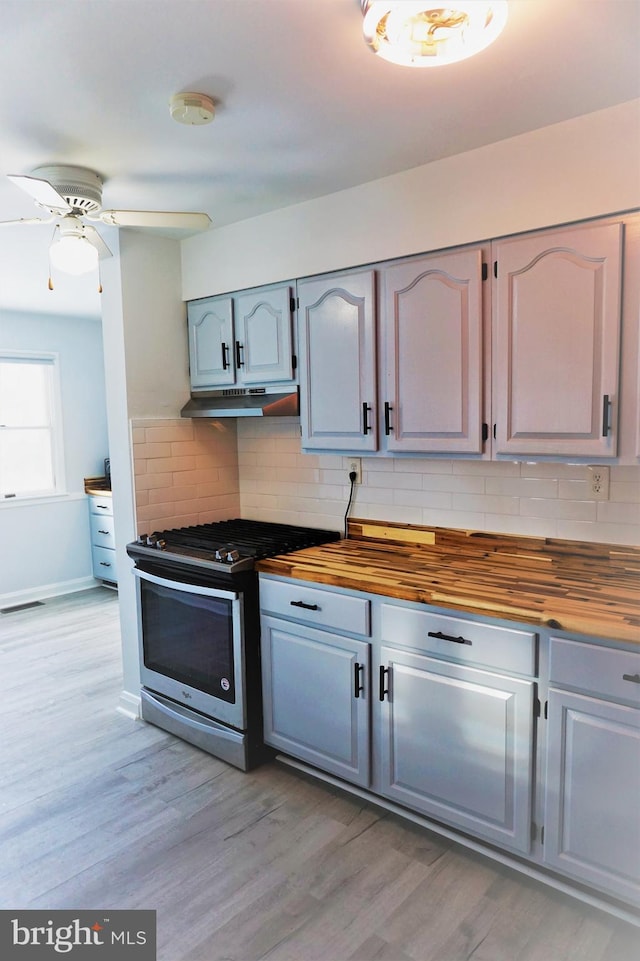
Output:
(199, 630)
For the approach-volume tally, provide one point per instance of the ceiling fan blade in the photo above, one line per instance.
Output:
(96, 241)
(41, 191)
(28, 220)
(180, 220)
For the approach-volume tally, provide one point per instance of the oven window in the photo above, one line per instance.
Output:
(189, 637)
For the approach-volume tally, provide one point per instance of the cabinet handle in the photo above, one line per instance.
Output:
(239, 347)
(358, 673)
(387, 424)
(225, 356)
(366, 426)
(104, 532)
(102, 507)
(448, 637)
(383, 690)
(307, 607)
(104, 564)
(634, 678)
(606, 413)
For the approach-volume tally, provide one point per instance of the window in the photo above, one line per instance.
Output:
(30, 426)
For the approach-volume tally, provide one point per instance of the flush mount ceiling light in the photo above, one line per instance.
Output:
(414, 33)
(71, 250)
(192, 108)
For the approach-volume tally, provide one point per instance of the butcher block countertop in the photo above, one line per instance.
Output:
(591, 589)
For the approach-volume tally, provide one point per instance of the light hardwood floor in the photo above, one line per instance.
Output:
(98, 811)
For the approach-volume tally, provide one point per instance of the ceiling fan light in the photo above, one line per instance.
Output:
(415, 33)
(73, 254)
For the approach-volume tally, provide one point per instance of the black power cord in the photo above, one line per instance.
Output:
(353, 478)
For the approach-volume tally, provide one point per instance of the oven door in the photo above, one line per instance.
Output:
(192, 646)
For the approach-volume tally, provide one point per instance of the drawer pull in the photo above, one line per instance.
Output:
(448, 637)
(358, 673)
(104, 532)
(307, 607)
(105, 564)
(383, 689)
(102, 507)
(634, 678)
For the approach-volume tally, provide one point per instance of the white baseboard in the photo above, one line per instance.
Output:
(130, 705)
(44, 591)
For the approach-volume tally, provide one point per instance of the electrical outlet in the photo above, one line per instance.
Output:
(355, 467)
(599, 483)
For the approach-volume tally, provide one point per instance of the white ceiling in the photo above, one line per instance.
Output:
(303, 108)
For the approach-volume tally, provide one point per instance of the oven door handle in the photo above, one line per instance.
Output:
(188, 588)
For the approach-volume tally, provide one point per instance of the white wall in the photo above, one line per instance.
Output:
(569, 171)
(45, 545)
(145, 350)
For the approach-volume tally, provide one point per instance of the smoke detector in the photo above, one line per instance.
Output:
(192, 108)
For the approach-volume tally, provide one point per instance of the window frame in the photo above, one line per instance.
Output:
(51, 360)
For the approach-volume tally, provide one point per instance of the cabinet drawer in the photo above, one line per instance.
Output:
(502, 648)
(296, 599)
(102, 530)
(104, 564)
(595, 670)
(101, 505)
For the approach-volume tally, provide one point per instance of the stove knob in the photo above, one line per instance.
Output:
(232, 556)
(152, 540)
(220, 555)
(142, 539)
(160, 544)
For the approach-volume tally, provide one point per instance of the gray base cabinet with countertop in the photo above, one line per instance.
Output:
(527, 742)
(103, 544)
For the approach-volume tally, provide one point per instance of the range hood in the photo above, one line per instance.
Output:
(242, 402)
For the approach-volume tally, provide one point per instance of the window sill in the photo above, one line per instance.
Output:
(9, 502)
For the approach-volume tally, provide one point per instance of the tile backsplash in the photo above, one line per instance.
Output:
(192, 471)
(279, 483)
(186, 472)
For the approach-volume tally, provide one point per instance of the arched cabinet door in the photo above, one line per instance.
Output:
(433, 354)
(263, 347)
(211, 345)
(336, 317)
(556, 348)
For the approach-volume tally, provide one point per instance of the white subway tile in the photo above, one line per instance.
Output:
(522, 486)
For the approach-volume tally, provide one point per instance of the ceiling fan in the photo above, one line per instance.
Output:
(73, 195)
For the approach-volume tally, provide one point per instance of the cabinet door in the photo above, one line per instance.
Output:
(433, 334)
(556, 350)
(316, 700)
(263, 346)
(336, 318)
(457, 744)
(211, 342)
(592, 817)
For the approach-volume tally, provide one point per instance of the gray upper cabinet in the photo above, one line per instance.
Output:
(242, 339)
(210, 324)
(428, 396)
(557, 342)
(336, 318)
(432, 325)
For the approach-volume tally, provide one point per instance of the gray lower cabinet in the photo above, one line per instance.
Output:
(103, 545)
(592, 812)
(441, 714)
(315, 703)
(457, 745)
(456, 721)
(316, 676)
